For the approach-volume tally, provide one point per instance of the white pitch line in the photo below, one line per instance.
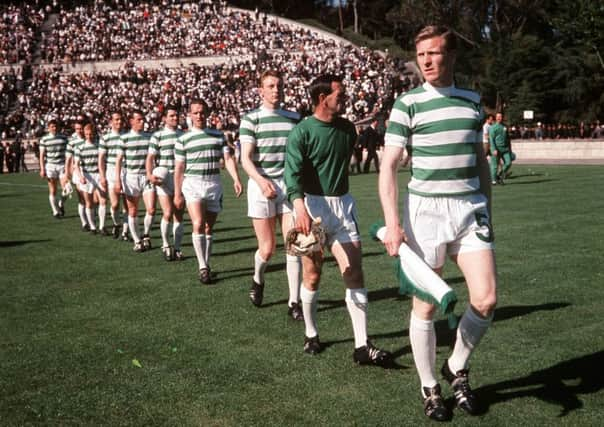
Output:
(23, 185)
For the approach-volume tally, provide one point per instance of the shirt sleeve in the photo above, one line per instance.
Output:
(399, 125)
(294, 164)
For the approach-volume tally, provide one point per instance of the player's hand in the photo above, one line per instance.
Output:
(238, 188)
(393, 238)
(268, 189)
(42, 173)
(179, 201)
(154, 180)
(103, 183)
(82, 180)
(118, 187)
(303, 220)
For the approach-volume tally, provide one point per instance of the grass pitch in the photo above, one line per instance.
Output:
(93, 334)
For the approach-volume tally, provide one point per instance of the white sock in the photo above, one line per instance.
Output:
(163, 227)
(259, 268)
(199, 244)
(114, 213)
(90, 217)
(102, 214)
(125, 220)
(133, 226)
(356, 302)
(147, 222)
(293, 266)
(423, 344)
(82, 213)
(471, 329)
(208, 251)
(309, 309)
(53, 204)
(177, 230)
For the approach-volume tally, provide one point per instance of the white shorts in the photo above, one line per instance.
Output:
(441, 226)
(134, 185)
(54, 171)
(166, 189)
(92, 183)
(75, 177)
(207, 191)
(110, 176)
(338, 217)
(258, 206)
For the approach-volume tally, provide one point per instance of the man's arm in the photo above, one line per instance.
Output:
(231, 166)
(484, 175)
(41, 159)
(179, 170)
(388, 190)
(247, 161)
(294, 160)
(118, 174)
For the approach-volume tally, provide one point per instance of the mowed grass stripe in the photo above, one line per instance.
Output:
(76, 310)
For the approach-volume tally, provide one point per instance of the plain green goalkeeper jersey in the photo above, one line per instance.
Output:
(317, 157)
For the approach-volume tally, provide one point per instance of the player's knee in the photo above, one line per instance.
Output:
(353, 277)
(312, 279)
(485, 306)
(267, 249)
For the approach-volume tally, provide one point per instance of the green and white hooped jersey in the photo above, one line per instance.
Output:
(440, 127)
(162, 145)
(109, 145)
(201, 151)
(134, 147)
(74, 142)
(268, 131)
(88, 155)
(54, 148)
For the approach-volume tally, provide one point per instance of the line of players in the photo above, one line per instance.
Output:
(447, 205)
(89, 166)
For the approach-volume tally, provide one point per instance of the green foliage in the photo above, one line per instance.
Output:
(93, 334)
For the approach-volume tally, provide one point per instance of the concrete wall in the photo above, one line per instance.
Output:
(591, 151)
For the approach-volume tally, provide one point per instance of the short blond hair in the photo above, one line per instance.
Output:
(432, 31)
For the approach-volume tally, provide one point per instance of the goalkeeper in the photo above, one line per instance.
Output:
(318, 153)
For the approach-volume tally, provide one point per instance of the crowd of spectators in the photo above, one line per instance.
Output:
(230, 89)
(114, 30)
(19, 24)
(557, 131)
(121, 29)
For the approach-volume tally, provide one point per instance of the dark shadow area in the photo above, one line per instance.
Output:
(514, 176)
(236, 251)
(11, 195)
(446, 336)
(559, 384)
(235, 239)
(223, 229)
(14, 243)
(539, 181)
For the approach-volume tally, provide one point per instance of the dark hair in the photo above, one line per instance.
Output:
(432, 31)
(170, 107)
(52, 122)
(136, 111)
(322, 85)
(200, 102)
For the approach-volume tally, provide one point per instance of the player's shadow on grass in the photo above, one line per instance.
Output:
(559, 384)
(446, 336)
(14, 243)
(235, 239)
(538, 181)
